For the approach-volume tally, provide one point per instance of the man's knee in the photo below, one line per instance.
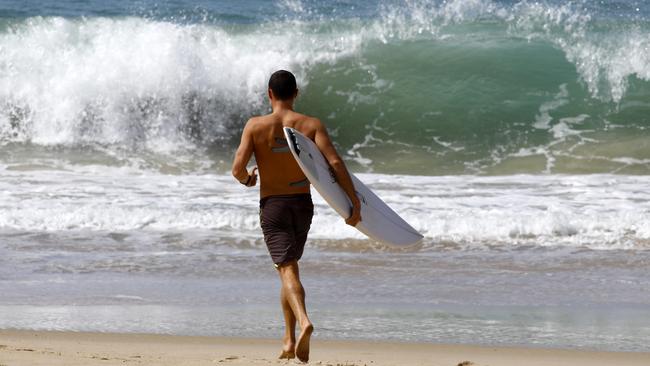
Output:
(287, 267)
(289, 275)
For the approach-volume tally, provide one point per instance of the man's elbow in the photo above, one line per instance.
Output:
(337, 163)
(236, 170)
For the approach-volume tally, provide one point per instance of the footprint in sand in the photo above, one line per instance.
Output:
(229, 358)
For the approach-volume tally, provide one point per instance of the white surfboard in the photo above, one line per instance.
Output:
(378, 220)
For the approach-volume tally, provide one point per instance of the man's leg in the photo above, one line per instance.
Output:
(295, 297)
(288, 350)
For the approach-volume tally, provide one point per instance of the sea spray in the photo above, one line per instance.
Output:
(138, 82)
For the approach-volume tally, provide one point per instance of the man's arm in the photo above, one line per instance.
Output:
(242, 157)
(325, 145)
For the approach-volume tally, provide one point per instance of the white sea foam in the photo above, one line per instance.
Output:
(543, 119)
(601, 212)
(141, 82)
(607, 65)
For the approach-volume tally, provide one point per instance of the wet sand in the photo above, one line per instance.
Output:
(34, 348)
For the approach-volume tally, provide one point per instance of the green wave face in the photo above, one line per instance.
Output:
(485, 102)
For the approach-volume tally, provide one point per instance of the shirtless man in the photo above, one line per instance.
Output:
(286, 208)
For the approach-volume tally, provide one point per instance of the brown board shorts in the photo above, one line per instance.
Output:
(285, 221)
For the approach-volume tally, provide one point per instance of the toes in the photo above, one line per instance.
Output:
(287, 355)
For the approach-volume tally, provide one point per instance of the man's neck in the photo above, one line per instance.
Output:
(282, 106)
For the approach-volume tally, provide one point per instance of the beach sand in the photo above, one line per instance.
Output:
(34, 348)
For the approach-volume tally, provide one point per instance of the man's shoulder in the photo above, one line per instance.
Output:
(255, 122)
(309, 120)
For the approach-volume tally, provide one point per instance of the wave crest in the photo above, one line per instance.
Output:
(139, 82)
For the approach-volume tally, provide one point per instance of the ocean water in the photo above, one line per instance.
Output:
(514, 135)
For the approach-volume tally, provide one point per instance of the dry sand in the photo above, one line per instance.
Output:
(31, 348)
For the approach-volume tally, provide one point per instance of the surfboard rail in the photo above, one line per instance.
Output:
(379, 221)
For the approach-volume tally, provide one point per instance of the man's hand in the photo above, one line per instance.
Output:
(251, 181)
(355, 217)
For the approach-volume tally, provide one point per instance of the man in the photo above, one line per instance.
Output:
(286, 208)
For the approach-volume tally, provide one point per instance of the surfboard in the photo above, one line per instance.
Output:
(378, 220)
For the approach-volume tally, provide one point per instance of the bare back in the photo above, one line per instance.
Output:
(279, 172)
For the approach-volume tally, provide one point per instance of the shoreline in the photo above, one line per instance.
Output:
(53, 348)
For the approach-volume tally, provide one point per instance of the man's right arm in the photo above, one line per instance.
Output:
(325, 145)
(242, 157)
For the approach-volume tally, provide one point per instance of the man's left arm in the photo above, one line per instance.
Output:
(242, 157)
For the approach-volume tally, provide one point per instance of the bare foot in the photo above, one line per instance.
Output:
(288, 349)
(288, 355)
(302, 348)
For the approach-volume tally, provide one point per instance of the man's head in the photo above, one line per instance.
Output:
(283, 85)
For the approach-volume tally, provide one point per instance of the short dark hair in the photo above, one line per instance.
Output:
(283, 84)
